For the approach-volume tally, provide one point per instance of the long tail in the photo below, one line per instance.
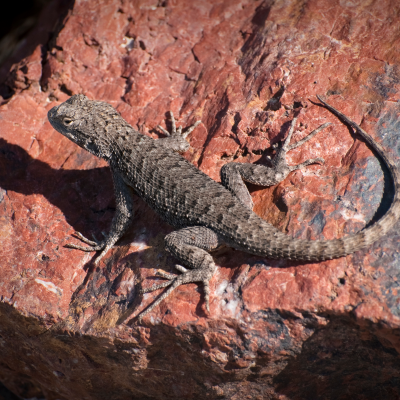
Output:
(328, 249)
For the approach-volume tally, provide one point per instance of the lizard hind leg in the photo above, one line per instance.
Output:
(233, 174)
(190, 246)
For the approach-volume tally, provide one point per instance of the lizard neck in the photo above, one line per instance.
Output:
(123, 142)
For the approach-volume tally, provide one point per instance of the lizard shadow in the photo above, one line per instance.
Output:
(226, 258)
(71, 191)
(74, 192)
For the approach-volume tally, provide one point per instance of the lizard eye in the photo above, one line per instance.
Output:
(67, 121)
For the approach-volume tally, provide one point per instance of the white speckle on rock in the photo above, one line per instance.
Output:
(221, 288)
(50, 286)
(128, 42)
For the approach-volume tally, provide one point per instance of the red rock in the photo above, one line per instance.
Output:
(277, 329)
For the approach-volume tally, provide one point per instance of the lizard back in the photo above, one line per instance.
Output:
(184, 196)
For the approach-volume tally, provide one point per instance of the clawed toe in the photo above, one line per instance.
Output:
(93, 245)
(308, 137)
(207, 295)
(180, 268)
(164, 131)
(86, 240)
(317, 160)
(83, 248)
(173, 123)
(165, 275)
(156, 287)
(190, 129)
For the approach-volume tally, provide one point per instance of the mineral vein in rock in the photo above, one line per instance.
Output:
(205, 214)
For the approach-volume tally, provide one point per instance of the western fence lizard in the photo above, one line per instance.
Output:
(205, 214)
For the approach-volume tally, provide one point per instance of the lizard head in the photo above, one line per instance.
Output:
(84, 122)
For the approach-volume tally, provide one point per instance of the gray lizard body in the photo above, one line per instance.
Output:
(206, 214)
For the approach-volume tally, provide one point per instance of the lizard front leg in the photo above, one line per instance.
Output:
(120, 223)
(234, 174)
(190, 246)
(176, 140)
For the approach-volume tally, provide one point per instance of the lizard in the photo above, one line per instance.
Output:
(206, 214)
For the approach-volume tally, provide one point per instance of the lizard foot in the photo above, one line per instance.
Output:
(176, 140)
(93, 245)
(177, 132)
(233, 174)
(280, 158)
(197, 275)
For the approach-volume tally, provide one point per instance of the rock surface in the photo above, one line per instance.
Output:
(277, 329)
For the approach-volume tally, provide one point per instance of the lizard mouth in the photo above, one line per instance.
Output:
(56, 124)
(52, 113)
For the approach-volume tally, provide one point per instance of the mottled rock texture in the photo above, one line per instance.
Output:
(277, 329)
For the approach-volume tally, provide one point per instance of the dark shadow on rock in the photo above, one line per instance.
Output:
(5, 394)
(342, 361)
(74, 192)
(34, 29)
